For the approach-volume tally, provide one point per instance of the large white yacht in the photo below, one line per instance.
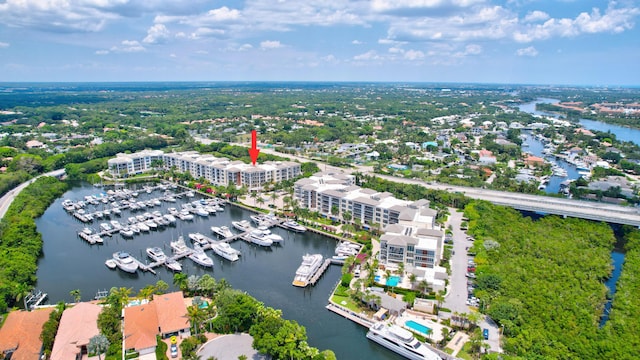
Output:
(222, 231)
(156, 254)
(199, 257)
(199, 239)
(310, 264)
(242, 225)
(293, 226)
(226, 251)
(258, 237)
(179, 247)
(400, 341)
(125, 262)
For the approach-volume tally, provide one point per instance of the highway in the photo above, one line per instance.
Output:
(7, 199)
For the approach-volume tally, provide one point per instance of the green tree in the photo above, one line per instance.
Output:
(97, 345)
(76, 295)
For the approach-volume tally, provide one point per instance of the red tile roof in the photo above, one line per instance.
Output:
(21, 331)
(77, 325)
(140, 326)
(172, 312)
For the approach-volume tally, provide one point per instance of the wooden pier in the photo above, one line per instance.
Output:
(325, 265)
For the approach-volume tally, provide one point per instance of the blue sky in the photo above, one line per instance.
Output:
(579, 42)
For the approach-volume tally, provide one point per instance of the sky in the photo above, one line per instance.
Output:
(557, 42)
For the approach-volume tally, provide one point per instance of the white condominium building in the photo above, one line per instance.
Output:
(218, 171)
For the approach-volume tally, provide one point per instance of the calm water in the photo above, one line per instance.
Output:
(535, 147)
(70, 263)
(621, 132)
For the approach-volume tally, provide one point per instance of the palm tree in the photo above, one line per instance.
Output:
(21, 291)
(260, 200)
(75, 294)
(195, 315)
(440, 298)
(401, 268)
(412, 279)
(180, 281)
(423, 286)
(98, 344)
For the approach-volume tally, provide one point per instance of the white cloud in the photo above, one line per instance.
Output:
(413, 55)
(356, 42)
(404, 5)
(102, 52)
(536, 16)
(614, 20)
(528, 51)
(128, 46)
(172, 55)
(270, 44)
(158, 33)
(4, 45)
(222, 14)
(369, 55)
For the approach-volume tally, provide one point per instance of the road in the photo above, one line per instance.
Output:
(7, 199)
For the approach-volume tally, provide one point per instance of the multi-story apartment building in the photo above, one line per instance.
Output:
(410, 234)
(218, 171)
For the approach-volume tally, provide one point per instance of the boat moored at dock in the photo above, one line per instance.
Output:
(222, 231)
(310, 265)
(199, 257)
(225, 250)
(400, 341)
(125, 262)
(293, 226)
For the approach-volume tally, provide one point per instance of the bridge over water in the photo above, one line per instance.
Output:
(590, 210)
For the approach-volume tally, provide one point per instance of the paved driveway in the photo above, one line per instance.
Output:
(456, 297)
(230, 347)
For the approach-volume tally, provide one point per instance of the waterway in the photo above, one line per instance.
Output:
(535, 146)
(70, 263)
(621, 132)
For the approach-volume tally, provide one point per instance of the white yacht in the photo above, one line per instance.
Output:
(260, 238)
(200, 211)
(151, 224)
(172, 264)
(198, 239)
(179, 247)
(400, 341)
(116, 224)
(184, 215)
(142, 226)
(275, 238)
(224, 250)
(105, 226)
(156, 254)
(310, 264)
(199, 257)
(126, 232)
(242, 225)
(125, 262)
(259, 219)
(169, 218)
(293, 226)
(222, 231)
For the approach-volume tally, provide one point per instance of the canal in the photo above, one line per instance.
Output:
(535, 146)
(70, 263)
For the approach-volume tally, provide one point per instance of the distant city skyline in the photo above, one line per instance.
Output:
(563, 42)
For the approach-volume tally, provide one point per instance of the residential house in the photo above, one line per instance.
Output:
(486, 157)
(78, 325)
(19, 335)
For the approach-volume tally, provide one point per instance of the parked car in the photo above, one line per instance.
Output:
(485, 334)
(174, 350)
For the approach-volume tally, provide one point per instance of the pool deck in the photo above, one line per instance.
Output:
(424, 319)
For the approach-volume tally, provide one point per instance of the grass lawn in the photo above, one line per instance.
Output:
(464, 352)
(350, 304)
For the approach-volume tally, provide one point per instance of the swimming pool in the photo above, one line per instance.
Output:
(417, 327)
(393, 281)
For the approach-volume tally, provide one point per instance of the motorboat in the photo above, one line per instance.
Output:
(116, 211)
(105, 226)
(210, 209)
(347, 248)
(126, 232)
(185, 215)
(224, 250)
(293, 226)
(116, 224)
(190, 194)
(173, 211)
(87, 230)
(156, 254)
(242, 225)
(94, 239)
(199, 257)
(198, 239)
(258, 219)
(222, 231)
(142, 226)
(275, 238)
(260, 238)
(135, 228)
(111, 264)
(173, 265)
(151, 224)
(169, 218)
(400, 341)
(310, 265)
(179, 247)
(200, 211)
(125, 262)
